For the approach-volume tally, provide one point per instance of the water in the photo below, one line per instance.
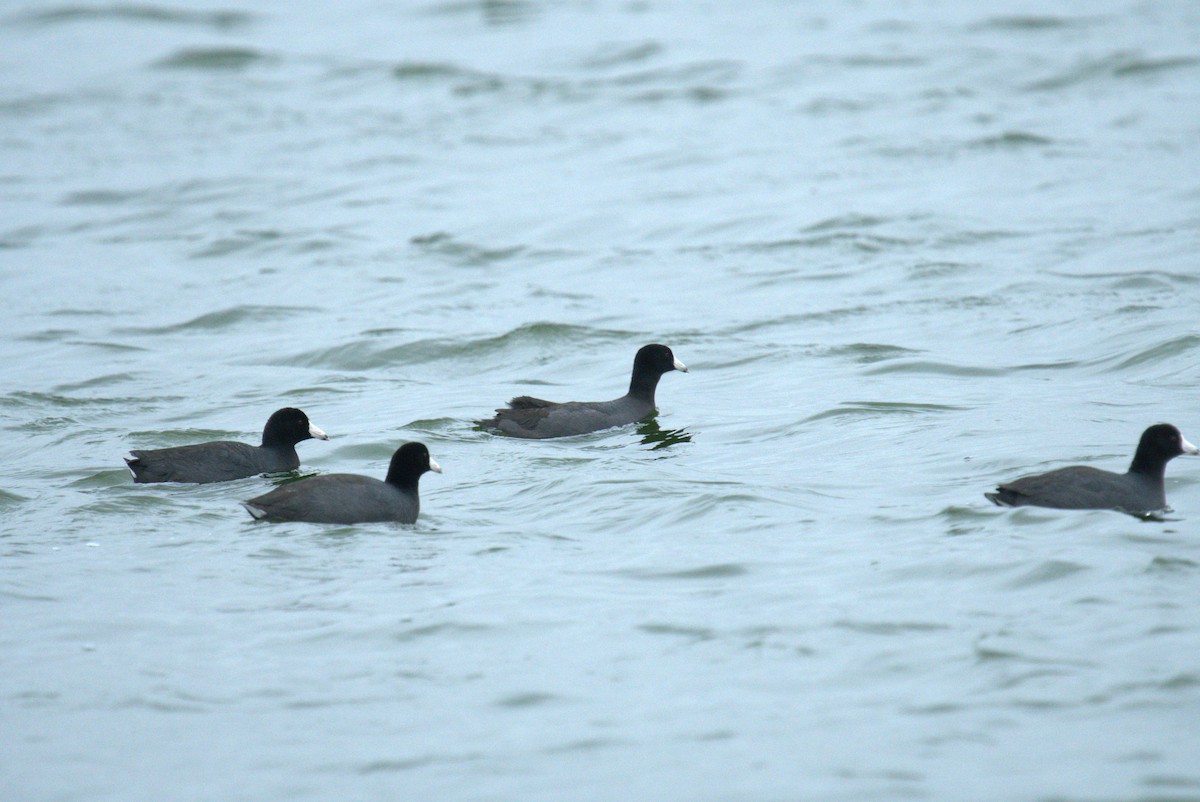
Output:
(906, 250)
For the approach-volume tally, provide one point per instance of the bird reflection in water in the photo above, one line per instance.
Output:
(657, 437)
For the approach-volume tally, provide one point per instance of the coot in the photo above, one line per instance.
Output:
(537, 418)
(348, 498)
(223, 460)
(1081, 487)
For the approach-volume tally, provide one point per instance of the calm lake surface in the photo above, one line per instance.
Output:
(907, 250)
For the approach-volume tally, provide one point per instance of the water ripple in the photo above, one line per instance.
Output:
(874, 409)
(1034, 23)
(365, 355)
(869, 353)
(695, 634)
(934, 368)
(1160, 352)
(213, 58)
(700, 82)
(443, 244)
(1113, 66)
(1048, 571)
(890, 627)
(137, 13)
(1011, 140)
(610, 56)
(223, 319)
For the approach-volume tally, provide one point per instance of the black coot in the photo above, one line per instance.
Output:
(537, 418)
(348, 498)
(223, 460)
(1081, 487)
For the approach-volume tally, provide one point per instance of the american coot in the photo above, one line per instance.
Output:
(347, 498)
(1081, 487)
(537, 418)
(223, 460)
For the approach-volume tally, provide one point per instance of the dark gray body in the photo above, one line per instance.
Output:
(1081, 487)
(338, 498)
(218, 461)
(536, 418)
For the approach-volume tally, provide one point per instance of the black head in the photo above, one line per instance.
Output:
(1160, 443)
(655, 358)
(408, 463)
(289, 426)
(651, 362)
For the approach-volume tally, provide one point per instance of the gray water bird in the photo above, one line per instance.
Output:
(348, 498)
(1081, 487)
(224, 460)
(536, 418)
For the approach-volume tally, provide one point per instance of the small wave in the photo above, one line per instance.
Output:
(847, 221)
(925, 366)
(890, 627)
(99, 197)
(463, 253)
(1163, 351)
(674, 630)
(466, 82)
(364, 355)
(871, 61)
(527, 699)
(429, 71)
(1115, 66)
(1011, 140)
(24, 398)
(702, 81)
(1141, 279)
(1171, 565)
(697, 82)
(8, 499)
(1048, 571)
(22, 237)
(872, 409)
(122, 12)
(864, 243)
(129, 504)
(957, 239)
(715, 571)
(117, 477)
(620, 55)
(98, 381)
(1018, 22)
(48, 336)
(1150, 66)
(869, 353)
(493, 12)
(955, 513)
(107, 346)
(713, 70)
(223, 319)
(213, 58)
(175, 193)
(586, 745)
(259, 239)
(463, 79)
(437, 630)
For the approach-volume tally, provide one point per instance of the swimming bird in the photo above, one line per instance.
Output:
(223, 460)
(1082, 487)
(348, 498)
(537, 418)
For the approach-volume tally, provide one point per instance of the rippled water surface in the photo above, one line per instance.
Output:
(906, 249)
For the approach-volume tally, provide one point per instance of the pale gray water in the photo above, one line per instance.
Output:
(907, 250)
